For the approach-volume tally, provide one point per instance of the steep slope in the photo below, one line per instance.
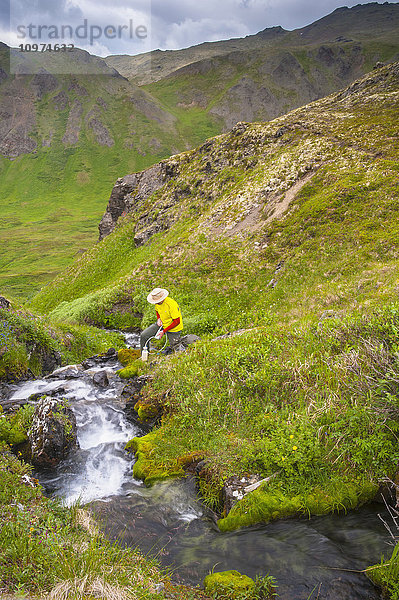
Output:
(288, 232)
(58, 131)
(234, 190)
(63, 141)
(263, 76)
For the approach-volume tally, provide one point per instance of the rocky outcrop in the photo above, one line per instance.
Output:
(129, 193)
(74, 124)
(61, 100)
(53, 432)
(103, 137)
(17, 119)
(43, 82)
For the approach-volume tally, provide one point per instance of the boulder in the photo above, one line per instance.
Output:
(101, 379)
(4, 303)
(68, 372)
(100, 359)
(53, 432)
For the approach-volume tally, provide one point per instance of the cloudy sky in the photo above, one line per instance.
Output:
(133, 26)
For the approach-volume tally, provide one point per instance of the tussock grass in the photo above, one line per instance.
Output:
(50, 551)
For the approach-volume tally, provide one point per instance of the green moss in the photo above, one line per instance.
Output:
(228, 584)
(145, 468)
(146, 411)
(128, 355)
(29, 340)
(262, 506)
(133, 369)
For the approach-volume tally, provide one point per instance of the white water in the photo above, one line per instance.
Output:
(100, 467)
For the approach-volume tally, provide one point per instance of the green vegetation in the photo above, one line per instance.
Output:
(285, 234)
(36, 344)
(52, 198)
(288, 232)
(315, 408)
(386, 575)
(228, 585)
(47, 548)
(14, 428)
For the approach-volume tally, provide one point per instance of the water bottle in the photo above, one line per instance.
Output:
(144, 354)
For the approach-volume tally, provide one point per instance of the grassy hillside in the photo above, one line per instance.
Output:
(288, 231)
(262, 76)
(64, 139)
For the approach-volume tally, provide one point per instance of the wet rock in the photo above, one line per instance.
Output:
(134, 387)
(10, 406)
(100, 359)
(53, 432)
(131, 393)
(50, 359)
(5, 391)
(101, 379)
(68, 372)
(110, 353)
(56, 392)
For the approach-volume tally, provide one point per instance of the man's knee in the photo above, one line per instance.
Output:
(147, 334)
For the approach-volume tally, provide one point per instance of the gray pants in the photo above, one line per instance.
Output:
(174, 337)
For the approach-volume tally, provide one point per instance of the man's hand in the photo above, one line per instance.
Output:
(159, 322)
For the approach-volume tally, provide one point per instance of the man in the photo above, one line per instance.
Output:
(168, 317)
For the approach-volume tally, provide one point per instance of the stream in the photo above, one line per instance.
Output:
(316, 558)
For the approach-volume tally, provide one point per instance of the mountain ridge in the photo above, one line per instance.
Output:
(323, 28)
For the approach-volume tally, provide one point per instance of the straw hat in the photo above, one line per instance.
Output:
(157, 295)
